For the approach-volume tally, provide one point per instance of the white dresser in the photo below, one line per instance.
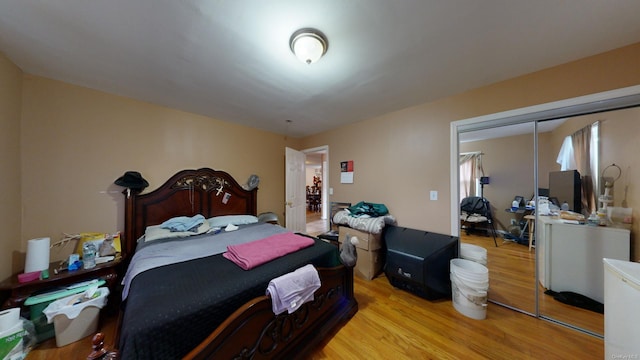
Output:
(570, 256)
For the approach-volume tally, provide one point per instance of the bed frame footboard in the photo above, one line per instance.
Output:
(254, 332)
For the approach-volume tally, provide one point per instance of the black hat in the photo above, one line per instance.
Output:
(132, 180)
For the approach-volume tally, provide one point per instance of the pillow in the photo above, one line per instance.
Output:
(224, 220)
(156, 232)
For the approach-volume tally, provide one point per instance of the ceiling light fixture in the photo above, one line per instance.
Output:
(308, 45)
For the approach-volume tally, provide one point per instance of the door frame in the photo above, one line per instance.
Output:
(324, 149)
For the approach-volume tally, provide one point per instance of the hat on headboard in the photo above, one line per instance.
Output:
(132, 180)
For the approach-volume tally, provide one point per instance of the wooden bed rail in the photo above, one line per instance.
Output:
(255, 332)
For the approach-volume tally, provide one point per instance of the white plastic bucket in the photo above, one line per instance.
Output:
(469, 286)
(475, 284)
(468, 269)
(474, 253)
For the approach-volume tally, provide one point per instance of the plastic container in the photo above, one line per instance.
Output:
(88, 255)
(37, 303)
(74, 320)
(469, 286)
(474, 253)
(621, 316)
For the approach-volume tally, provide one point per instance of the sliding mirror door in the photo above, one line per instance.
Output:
(567, 255)
(503, 164)
(576, 158)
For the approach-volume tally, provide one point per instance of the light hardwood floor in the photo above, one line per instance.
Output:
(315, 224)
(394, 324)
(512, 282)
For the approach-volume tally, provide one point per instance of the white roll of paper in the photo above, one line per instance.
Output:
(37, 255)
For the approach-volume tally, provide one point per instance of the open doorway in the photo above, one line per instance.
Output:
(317, 190)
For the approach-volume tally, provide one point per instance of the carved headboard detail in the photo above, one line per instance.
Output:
(205, 182)
(189, 192)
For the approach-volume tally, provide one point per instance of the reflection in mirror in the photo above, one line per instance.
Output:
(504, 156)
(567, 256)
(571, 277)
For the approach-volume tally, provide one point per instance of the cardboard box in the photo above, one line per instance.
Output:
(11, 334)
(369, 249)
(366, 241)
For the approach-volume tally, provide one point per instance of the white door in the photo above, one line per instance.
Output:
(296, 197)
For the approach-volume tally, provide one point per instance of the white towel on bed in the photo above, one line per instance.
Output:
(289, 291)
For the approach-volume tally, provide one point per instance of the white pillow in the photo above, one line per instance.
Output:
(224, 220)
(156, 232)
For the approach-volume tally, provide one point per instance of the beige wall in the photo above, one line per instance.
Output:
(77, 141)
(10, 206)
(509, 163)
(74, 142)
(401, 156)
(619, 145)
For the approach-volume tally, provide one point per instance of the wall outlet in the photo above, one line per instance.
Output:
(433, 195)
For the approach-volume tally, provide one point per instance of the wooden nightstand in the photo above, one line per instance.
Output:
(14, 293)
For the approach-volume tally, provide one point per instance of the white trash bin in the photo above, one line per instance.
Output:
(621, 315)
(75, 318)
(469, 286)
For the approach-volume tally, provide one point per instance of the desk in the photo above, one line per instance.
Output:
(19, 292)
(522, 213)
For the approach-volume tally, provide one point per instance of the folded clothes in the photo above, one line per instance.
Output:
(183, 223)
(289, 291)
(251, 254)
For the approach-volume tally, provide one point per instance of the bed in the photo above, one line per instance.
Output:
(208, 307)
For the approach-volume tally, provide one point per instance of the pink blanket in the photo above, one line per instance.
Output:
(255, 253)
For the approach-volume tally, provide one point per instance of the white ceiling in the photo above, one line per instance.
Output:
(230, 59)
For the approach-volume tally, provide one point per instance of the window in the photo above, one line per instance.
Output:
(470, 173)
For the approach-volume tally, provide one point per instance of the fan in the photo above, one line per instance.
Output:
(252, 183)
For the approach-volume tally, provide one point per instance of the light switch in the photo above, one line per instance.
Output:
(330, 191)
(433, 195)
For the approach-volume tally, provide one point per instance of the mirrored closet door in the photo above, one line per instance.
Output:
(505, 161)
(522, 159)
(571, 275)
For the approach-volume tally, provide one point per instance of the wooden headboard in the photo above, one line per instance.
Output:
(187, 193)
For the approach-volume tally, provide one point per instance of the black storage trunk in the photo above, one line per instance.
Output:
(418, 261)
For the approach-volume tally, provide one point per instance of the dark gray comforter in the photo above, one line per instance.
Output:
(170, 309)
